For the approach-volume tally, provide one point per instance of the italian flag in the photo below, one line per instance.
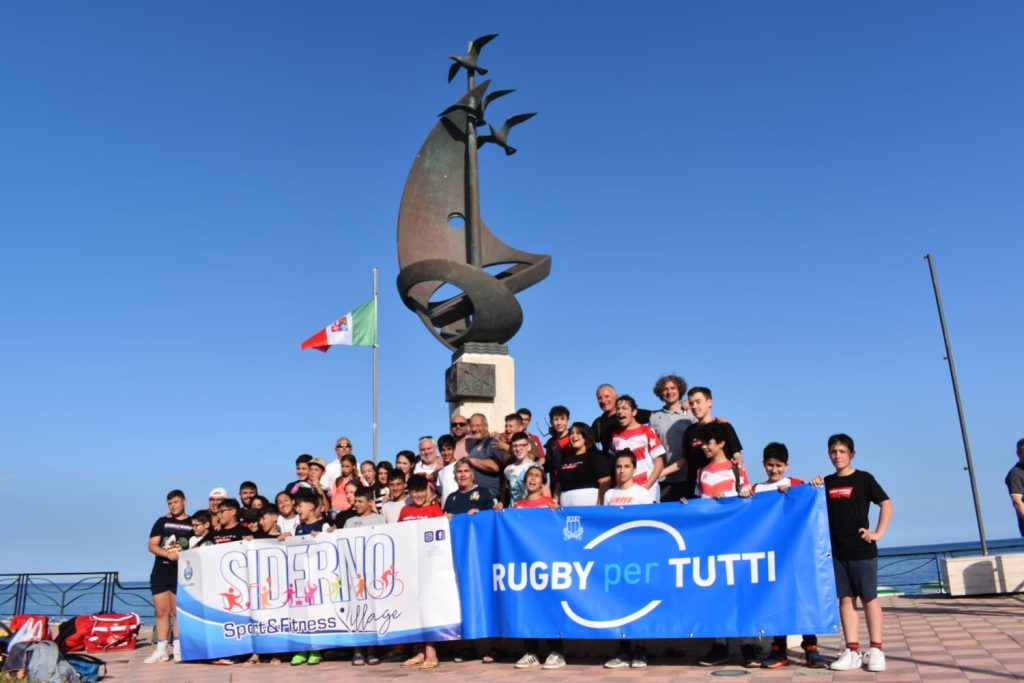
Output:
(358, 328)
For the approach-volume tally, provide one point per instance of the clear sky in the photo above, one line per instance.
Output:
(739, 192)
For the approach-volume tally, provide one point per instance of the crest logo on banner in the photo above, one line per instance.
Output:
(340, 325)
(188, 571)
(573, 530)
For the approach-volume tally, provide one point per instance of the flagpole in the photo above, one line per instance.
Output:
(376, 345)
(959, 405)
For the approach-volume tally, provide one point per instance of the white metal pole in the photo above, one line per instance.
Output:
(376, 345)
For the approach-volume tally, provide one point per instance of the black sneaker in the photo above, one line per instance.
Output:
(813, 659)
(718, 654)
(750, 660)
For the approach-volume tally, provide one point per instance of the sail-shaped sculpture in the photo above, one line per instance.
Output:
(443, 240)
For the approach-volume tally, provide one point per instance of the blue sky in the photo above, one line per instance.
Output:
(739, 192)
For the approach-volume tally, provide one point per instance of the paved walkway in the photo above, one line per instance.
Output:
(981, 639)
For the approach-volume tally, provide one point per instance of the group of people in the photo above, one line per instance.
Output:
(626, 456)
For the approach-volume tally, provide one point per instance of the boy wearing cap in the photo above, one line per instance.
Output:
(316, 468)
(217, 496)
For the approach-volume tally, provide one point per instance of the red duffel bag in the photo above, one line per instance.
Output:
(113, 632)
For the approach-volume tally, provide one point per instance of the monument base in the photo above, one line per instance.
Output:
(983, 574)
(482, 379)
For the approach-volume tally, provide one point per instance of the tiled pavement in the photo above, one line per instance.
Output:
(926, 639)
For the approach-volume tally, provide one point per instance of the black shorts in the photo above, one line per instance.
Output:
(856, 578)
(163, 578)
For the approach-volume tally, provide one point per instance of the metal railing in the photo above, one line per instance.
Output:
(66, 594)
(919, 572)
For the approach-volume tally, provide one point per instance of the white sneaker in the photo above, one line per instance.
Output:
(848, 659)
(177, 650)
(527, 660)
(554, 661)
(158, 655)
(874, 659)
(617, 662)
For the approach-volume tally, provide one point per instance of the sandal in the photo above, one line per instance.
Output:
(358, 660)
(223, 662)
(413, 661)
(430, 666)
(252, 661)
(489, 658)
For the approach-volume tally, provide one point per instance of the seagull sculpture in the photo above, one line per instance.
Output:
(468, 61)
(500, 137)
(475, 108)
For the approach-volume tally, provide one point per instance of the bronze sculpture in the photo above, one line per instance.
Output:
(442, 238)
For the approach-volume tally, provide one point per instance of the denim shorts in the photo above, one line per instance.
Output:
(856, 578)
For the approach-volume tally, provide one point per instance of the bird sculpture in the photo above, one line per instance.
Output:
(469, 60)
(476, 108)
(500, 137)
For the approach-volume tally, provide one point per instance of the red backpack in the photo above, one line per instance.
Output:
(72, 633)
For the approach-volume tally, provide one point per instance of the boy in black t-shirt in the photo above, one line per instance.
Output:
(694, 458)
(849, 494)
(302, 472)
(230, 530)
(267, 523)
(167, 538)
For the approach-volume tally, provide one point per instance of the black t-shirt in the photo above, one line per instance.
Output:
(554, 449)
(849, 499)
(339, 517)
(582, 471)
(606, 425)
(235, 533)
(262, 535)
(171, 532)
(1015, 485)
(462, 502)
(694, 453)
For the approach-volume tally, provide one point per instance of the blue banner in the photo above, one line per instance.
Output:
(730, 567)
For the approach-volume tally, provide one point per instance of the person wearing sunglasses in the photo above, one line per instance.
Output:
(342, 448)
(459, 431)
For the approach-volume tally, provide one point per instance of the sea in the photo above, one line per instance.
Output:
(914, 570)
(906, 570)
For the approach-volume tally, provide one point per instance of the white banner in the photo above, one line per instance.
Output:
(393, 583)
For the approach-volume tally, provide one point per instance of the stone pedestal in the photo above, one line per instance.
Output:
(481, 379)
(983, 575)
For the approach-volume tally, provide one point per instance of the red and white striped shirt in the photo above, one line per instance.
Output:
(718, 478)
(645, 445)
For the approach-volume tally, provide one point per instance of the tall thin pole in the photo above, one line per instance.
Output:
(376, 347)
(959, 405)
